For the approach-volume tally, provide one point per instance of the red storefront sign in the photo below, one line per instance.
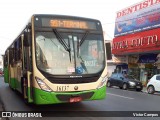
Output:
(142, 42)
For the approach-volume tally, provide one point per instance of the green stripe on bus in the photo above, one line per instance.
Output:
(15, 84)
(6, 75)
(43, 97)
(30, 100)
(99, 94)
(12, 83)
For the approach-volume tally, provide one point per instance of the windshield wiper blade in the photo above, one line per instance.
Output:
(59, 37)
(64, 44)
(69, 49)
(79, 43)
(83, 38)
(83, 64)
(78, 46)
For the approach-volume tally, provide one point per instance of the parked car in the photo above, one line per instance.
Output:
(154, 84)
(124, 82)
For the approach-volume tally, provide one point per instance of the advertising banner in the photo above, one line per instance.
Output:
(139, 17)
(141, 42)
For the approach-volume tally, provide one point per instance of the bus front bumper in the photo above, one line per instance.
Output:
(43, 97)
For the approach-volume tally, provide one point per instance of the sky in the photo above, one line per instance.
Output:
(14, 14)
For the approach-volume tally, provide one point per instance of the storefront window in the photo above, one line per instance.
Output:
(134, 72)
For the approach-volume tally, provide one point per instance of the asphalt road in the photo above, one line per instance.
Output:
(116, 100)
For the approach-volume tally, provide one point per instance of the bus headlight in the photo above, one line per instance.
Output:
(43, 85)
(103, 82)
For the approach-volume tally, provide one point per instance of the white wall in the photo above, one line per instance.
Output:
(110, 68)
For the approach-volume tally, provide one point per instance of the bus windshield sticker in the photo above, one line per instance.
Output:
(70, 69)
(90, 63)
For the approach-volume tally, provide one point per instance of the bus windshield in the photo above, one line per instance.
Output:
(69, 55)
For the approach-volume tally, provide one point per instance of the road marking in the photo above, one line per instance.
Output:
(119, 96)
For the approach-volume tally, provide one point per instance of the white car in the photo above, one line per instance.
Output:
(154, 84)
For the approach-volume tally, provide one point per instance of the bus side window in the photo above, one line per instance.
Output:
(27, 50)
(11, 54)
(17, 50)
(5, 60)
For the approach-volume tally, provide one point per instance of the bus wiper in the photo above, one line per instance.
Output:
(79, 43)
(69, 49)
(83, 64)
(59, 37)
(83, 38)
(64, 44)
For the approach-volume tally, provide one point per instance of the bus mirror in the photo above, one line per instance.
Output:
(108, 51)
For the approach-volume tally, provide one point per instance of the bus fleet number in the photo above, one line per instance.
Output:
(62, 88)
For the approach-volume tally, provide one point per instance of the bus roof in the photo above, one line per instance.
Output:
(63, 16)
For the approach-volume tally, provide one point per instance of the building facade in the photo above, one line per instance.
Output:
(137, 39)
(141, 51)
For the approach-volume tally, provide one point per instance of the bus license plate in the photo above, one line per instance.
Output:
(75, 99)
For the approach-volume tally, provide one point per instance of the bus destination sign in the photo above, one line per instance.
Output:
(69, 24)
(66, 23)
